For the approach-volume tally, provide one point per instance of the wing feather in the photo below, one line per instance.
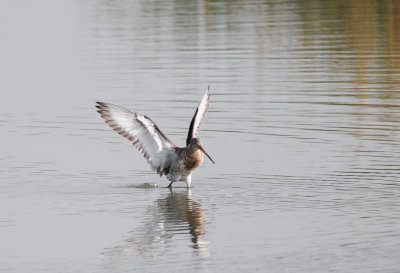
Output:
(144, 134)
(198, 116)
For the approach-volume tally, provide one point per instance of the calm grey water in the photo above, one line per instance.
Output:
(303, 125)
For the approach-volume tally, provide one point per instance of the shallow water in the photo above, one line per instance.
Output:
(303, 125)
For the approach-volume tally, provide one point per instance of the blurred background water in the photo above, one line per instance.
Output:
(303, 125)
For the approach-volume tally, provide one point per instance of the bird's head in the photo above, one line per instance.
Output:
(197, 143)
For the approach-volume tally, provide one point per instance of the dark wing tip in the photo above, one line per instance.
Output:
(100, 103)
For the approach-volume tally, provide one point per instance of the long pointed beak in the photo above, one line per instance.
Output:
(201, 148)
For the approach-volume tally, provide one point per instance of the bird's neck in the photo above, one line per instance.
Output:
(193, 158)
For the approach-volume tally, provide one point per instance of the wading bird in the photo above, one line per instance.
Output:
(176, 163)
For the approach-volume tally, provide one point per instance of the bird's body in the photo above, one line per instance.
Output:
(176, 163)
(187, 160)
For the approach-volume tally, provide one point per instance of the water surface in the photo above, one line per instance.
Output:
(303, 125)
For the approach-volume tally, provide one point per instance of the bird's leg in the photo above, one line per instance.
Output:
(170, 185)
(188, 181)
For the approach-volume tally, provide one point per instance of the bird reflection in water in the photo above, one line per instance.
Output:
(171, 216)
(178, 209)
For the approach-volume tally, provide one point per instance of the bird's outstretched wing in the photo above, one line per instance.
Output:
(198, 116)
(143, 133)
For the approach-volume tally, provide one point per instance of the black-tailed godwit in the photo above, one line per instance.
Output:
(176, 163)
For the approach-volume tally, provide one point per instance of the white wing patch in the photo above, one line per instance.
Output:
(203, 106)
(143, 133)
(150, 127)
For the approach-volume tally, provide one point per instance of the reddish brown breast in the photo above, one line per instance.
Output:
(193, 160)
